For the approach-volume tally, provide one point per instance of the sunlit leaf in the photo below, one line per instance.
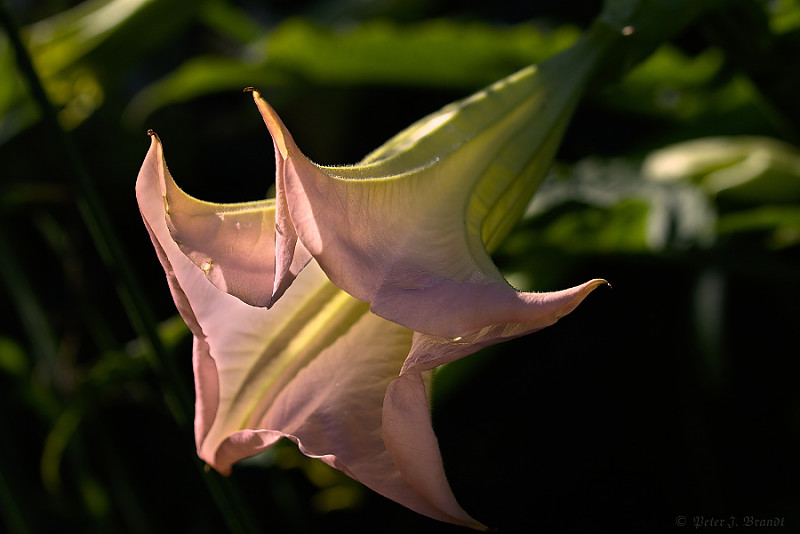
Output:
(60, 45)
(604, 207)
(743, 170)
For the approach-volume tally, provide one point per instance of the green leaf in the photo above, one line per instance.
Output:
(674, 86)
(437, 53)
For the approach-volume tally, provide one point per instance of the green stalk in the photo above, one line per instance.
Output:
(99, 225)
(105, 239)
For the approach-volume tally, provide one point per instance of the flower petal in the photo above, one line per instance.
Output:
(350, 380)
(537, 311)
(314, 368)
(483, 304)
(406, 230)
(233, 244)
(408, 440)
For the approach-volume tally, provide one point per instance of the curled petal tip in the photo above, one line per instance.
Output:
(280, 134)
(251, 89)
(591, 285)
(597, 282)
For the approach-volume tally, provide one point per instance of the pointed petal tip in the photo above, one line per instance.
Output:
(581, 292)
(597, 282)
(586, 288)
(476, 525)
(155, 140)
(251, 89)
(279, 133)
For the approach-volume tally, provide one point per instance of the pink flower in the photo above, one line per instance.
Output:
(318, 315)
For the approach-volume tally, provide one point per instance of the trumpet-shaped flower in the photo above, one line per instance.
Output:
(319, 368)
(316, 314)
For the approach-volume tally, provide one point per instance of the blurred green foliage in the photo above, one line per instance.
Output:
(437, 53)
(674, 394)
